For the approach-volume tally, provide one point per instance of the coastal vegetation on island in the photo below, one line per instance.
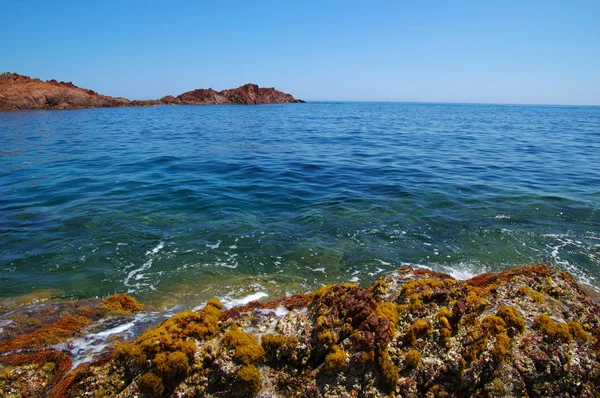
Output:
(22, 92)
(529, 331)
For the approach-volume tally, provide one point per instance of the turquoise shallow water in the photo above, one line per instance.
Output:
(274, 199)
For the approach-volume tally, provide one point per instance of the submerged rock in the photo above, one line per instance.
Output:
(529, 331)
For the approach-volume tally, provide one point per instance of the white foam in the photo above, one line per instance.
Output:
(156, 249)
(84, 349)
(279, 311)
(230, 303)
(136, 274)
(226, 265)
(464, 271)
(377, 271)
(215, 246)
(461, 274)
(136, 271)
(317, 269)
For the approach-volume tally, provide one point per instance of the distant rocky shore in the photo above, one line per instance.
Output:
(530, 331)
(22, 92)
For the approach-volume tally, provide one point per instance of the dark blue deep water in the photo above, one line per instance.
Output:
(181, 203)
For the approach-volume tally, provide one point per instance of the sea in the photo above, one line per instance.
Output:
(178, 204)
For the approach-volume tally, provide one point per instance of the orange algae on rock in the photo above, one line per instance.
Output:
(129, 352)
(247, 349)
(501, 347)
(418, 329)
(412, 358)
(169, 348)
(119, 304)
(513, 318)
(493, 324)
(172, 365)
(275, 343)
(249, 379)
(535, 296)
(336, 359)
(150, 385)
(65, 328)
(552, 329)
(167, 335)
(389, 371)
(577, 331)
(32, 375)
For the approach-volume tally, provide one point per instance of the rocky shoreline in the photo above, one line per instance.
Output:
(18, 92)
(530, 331)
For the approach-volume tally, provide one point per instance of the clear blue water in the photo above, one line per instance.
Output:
(232, 200)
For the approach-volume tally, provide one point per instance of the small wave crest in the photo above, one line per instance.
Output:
(135, 279)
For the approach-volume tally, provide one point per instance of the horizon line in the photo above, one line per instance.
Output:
(457, 103)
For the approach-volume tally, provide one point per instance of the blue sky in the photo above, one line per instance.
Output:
(446, 51)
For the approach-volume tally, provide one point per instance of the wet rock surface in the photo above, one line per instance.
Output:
(22, 92)
(530, 331)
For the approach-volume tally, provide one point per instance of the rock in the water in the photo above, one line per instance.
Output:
(22, 92)
(529, 331)
(248, 94)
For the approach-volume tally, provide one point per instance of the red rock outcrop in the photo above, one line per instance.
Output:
(202, 96)
(252, 94)
(22, 92)
(248, 94)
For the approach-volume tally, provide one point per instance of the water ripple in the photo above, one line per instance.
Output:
(106, 200)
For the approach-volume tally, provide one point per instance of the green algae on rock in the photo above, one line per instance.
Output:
(530, 331)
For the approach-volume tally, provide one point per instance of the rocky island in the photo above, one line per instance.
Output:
(22, 92)
(530, 331)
